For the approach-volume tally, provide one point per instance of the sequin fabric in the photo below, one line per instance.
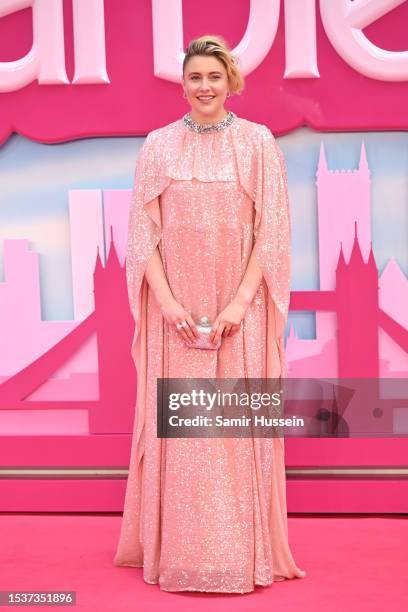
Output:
(207, 514)
(208, 127)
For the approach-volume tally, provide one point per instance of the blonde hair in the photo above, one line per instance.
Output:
(210, 44)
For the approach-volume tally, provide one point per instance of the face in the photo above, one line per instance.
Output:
(205, 82)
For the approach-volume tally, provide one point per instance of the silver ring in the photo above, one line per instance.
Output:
(182, 324)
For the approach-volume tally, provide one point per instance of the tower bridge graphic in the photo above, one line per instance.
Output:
(112, 324)
(356, 305)
(349, 316)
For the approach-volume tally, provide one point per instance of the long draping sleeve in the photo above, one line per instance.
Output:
(144, 235)
(272, 235)
(144, 230)
(144, 226)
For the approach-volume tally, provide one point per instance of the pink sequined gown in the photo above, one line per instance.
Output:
(207, 514)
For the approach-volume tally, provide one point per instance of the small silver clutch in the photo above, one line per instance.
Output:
(203, 341)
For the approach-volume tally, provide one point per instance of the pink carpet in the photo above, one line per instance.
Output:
(353, 562)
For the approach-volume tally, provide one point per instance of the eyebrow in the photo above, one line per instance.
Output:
(213, 72)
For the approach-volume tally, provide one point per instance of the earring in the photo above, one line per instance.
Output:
(228, 95)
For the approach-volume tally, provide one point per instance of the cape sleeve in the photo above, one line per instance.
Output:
(143, 227)
(144, 231)
(272, 235)
(144, 235)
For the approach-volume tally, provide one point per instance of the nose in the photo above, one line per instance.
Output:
(204, 86)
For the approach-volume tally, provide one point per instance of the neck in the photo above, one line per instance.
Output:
(208, 119)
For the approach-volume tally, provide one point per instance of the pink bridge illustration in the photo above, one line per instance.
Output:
(84, 365)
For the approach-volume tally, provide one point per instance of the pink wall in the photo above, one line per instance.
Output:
(68, 388)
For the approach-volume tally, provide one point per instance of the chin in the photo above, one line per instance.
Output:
(207, 110)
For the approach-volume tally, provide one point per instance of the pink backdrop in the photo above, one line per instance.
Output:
(316, 66)
(348, 72)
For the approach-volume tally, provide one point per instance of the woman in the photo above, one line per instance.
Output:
(209, 234)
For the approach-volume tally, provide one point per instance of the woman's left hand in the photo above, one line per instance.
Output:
(229, 320)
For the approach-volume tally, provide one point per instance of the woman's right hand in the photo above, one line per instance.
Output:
(173, 312)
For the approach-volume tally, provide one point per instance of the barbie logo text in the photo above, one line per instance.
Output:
(343, 21)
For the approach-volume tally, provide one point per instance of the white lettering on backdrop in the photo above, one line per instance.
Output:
(343, 20)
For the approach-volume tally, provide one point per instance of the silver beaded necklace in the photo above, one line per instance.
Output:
(209, 127)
